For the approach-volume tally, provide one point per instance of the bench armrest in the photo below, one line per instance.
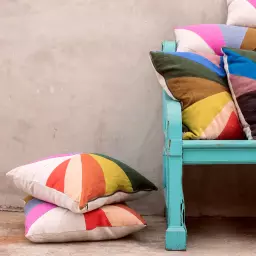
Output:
(172, 118)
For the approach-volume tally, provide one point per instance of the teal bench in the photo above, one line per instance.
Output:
(178, 152)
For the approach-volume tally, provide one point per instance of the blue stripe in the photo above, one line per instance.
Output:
(233, 35)
(239, 65)
(201, 60)
(31, 204)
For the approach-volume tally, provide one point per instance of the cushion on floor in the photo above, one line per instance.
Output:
(46, 222)
(81, 182)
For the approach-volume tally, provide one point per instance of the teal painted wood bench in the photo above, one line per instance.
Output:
(178, 152)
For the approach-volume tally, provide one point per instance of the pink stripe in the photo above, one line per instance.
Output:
(210, 33)
(36, 213)
(242, 85)
(252, 2)
(211, 57)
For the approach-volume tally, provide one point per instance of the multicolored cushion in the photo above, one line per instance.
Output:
(199, 83)
(242, 13)
(45, 222)
(81, 182)
(240, 66)
(210, 38)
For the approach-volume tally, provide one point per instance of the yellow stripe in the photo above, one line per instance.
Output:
(198, 116)
(220, 121)
(115, 177)
(28, 198)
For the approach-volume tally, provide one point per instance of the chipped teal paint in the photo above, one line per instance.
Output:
(177, 152)
(169, 46)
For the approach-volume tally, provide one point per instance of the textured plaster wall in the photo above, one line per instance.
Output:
(75, 76)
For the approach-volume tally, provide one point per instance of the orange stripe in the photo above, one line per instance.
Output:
(57, 177)
(132, 212)
(93, 181)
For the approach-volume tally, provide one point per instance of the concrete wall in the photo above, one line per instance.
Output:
(75, 76)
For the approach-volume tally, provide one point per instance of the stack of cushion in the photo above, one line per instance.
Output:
(80, 197)
(212, 74)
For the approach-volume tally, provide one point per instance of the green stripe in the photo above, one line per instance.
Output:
(139, 182)
(171, 66)
(245, 53)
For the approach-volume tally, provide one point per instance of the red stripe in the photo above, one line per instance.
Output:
(96, 218)
(57, 177)
(232, 130)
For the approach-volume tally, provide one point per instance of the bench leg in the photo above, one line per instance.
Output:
(176, 239)
(176, 234)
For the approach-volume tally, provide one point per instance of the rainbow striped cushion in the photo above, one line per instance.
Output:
(242, 13)
(210, 38)
(81, 182)
(45, 222)
(199, 83)
(240, 66)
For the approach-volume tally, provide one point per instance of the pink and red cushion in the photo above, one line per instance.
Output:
(45, 222)
(210, 38)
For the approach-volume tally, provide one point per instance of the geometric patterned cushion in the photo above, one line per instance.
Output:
(242, 13)
(81, 182)
(240, 66)
(210, 38)
(45, 222)
(199, 83)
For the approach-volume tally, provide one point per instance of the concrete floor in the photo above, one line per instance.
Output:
(207, 237)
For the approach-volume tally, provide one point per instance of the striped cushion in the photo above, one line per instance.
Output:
(81, 182)
(210, 38)
(45, 222)
(242, 13)
(199, 83)
(240, 66)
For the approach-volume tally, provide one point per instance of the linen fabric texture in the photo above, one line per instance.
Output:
(242, 13)
(199, 82)
(81, 182)
(240, 66)
(210, 38)
(46, 222)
